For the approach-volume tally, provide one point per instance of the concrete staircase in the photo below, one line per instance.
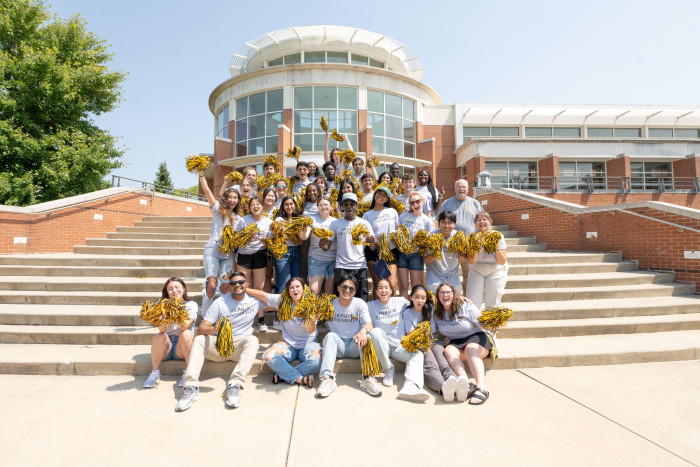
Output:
(77, 313)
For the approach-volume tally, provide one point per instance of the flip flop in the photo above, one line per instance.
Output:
(308, 381)
(480, 394)
(276, 379)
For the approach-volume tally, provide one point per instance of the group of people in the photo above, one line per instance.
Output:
(325, 257)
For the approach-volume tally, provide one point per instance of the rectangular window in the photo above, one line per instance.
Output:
(325, 97)
(394, 105)
(241, 108)
(377, 122)
(375, 101)
(538, 132)
(660, 132)
(256, 127)
(303, 97)
(337, 57)
(376, 63)
(408, 109)
(469, 132)
(314, 57)
(256, 104)
(359, 59)
(276, 62)
(628, 132)
(274, 100)
(222, 123)
(292, 59)
(600, 132)
(566, 132)
(274, 120)
(687, 133)
(505, 131)
(347, 98)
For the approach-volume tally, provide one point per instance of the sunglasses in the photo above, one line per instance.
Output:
(347, 288)
(241, 282)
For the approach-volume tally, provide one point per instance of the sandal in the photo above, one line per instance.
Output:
(472, 390)
(276, 379)
(480, 394)
(308, 381)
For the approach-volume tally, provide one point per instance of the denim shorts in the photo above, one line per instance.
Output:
(216, 267)
(173, 346)
(318, 267)
(414, 261)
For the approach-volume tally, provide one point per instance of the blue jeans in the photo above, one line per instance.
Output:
(281, 363)
(335, 346)
(214, 267)
(287, 267)
(413, 360)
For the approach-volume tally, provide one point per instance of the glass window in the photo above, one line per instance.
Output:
(303, 98)
(274, 120)
(256, 126)
(331, 118)
(314, 57)
(394, 147)
(256, 146)
(408, 130)
(393, 124)
(647, 175)
(376, 63)
(661, 132)
(222, 123)
(325, 97)
(347, 121)
(377, 122)
(600, 132)
(256, 104)
(628, 132)
(347, 98)
(241, 130)
(687, 132)
(276, 62)
(566, 132)
(337, 57)
(469, 132)
(305, 142)
(377, 144)
(394, 105)
(409, 150)
(258, 117)
(274, 100)
(394, 127)
(271, 146)
(375, 101)
(241, 108)
(408, 109)
(292, 59)
(538, 132)
(324, 101)
(506, 131)
(303, 121)
(359, 59)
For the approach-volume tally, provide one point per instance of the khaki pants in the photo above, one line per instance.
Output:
(245, 348)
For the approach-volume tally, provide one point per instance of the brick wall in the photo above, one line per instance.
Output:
(443, 171)
(60, 229)
(688, 200)
(653, 244)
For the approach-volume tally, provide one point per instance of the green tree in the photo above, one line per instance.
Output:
(55, 80)
(163, 180)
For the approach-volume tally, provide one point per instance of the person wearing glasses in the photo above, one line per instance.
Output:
(280, 191)
(349, 331)
(411, 264)
(445, 269)
(458, 322)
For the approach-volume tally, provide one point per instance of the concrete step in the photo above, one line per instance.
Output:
(156, 236)
(176, 219)
(534, 281)
(65, 284)
(560, 257)
(106, 261)
(513, 296)
(136, 251)
(64, 359)
(157, 230)
(570, 268)
(142, 243)
(71, 315)
(196, 224)
(35, 271)
(94, 298)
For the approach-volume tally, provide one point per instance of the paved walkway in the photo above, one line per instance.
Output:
(643, 414)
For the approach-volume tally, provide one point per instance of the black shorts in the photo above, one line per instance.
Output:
(477, 338)
(370, 255)
(374, 255)
(257, 260)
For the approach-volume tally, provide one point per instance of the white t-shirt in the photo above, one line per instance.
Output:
(464, 325)
(445, 270)
(367, 198)
(256, 244)
(415, 224)
(427, 199)
(217, 229)
(347, 320)
(174, 330)
(298, 186)
(294, 330)
(404, 200)
(310, 209)
(315, 250)
(388, 318)
(384, 221)
(241, 314)
(349, 256)
(490, 258)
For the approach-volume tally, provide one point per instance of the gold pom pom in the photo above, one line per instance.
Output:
(234, 177)
(273, 160)
(375, 162)
(224, 341)
(369, 364)
(266, 181)
(197, 163)
(337, 180)
(419, 339)
(458, 244)
(489, 241)
(359, 232)
(244, 236)
(346, 156)
(363, 207)
(494, 317)
(401, 238)
(165, 312)
(226, 240)
(303, 310)
(397, 205)
(293, 152)
(337, 136)
(296, 225)
(324, 307)
(277, 244)
(245, 205)
(346, 173)
(430, 296)
(384, 251)
(324, 123)
(321, 232)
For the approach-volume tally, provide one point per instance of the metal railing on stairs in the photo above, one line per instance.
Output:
(118, 180)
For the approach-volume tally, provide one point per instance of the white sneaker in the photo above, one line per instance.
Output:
(233, 396)
(388, 377)
(327, 386)
(448, 389)
(276, 325)
(370, 386)
(190, 395)
(262, 327)
(462, 389)
(182, 379)
(152, 380)
(411, 392)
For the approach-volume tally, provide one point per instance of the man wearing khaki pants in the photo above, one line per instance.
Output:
(466, 209)
(240, 309)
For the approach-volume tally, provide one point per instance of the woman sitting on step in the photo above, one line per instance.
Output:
(173, 342)
(488, 272)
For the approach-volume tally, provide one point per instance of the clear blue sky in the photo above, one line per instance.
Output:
(559, 52)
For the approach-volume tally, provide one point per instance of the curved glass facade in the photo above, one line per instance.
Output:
(393, 120)
(257, 119)
(337, 103)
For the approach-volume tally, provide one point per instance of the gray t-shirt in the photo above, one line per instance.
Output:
(387, 317)
(445, 270)
(415, 224)
(411, 319)
(427, 199)
(465, 210)
(315, 251)
(490, 258)
(241, 314)
(347, 320)
(464, 325)
(174, 330)
(298, 186)
(257, 242)
(293, 331)
(310, 209)
(349, 256)
(404, 200)
(217, 229)
(384, 221)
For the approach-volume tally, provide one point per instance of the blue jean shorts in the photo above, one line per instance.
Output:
(414, 261)
(318, 267)
(173, 346)
(216, 267)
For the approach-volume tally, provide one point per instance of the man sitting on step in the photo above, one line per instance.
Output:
(240, 309)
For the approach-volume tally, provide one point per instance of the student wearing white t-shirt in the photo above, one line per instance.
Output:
(446, 269)
(387, 331)
(411, 264)
(431, 197)
(321, 260)
(240, 309)
(384, 220)
(175, 341)
(488, 272)
(298, 339)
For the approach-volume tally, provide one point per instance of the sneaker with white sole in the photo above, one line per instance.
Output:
(233, 396)
(276, 325)
(182, 379)
(370, 386)
(462, 389)
(327, 386)
(262, 327)
(152, 380)
(448, 389)
(388, 377)
(190, 395)
(411, 392)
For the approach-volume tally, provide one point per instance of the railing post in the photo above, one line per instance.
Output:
(555, 184)
(662, 187)
(626, 184)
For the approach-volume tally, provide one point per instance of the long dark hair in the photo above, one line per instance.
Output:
(264, 195)
(282, 213)
(427, 311)
(224, 211)
(164, 294)
(301, 281)
(319, 194)
(346, 181)
(431, 189)
(374, 198)
(379, 180)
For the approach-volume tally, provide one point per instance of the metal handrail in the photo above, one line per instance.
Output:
(117, 180)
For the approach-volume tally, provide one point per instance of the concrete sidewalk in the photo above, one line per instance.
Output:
(643, 414)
